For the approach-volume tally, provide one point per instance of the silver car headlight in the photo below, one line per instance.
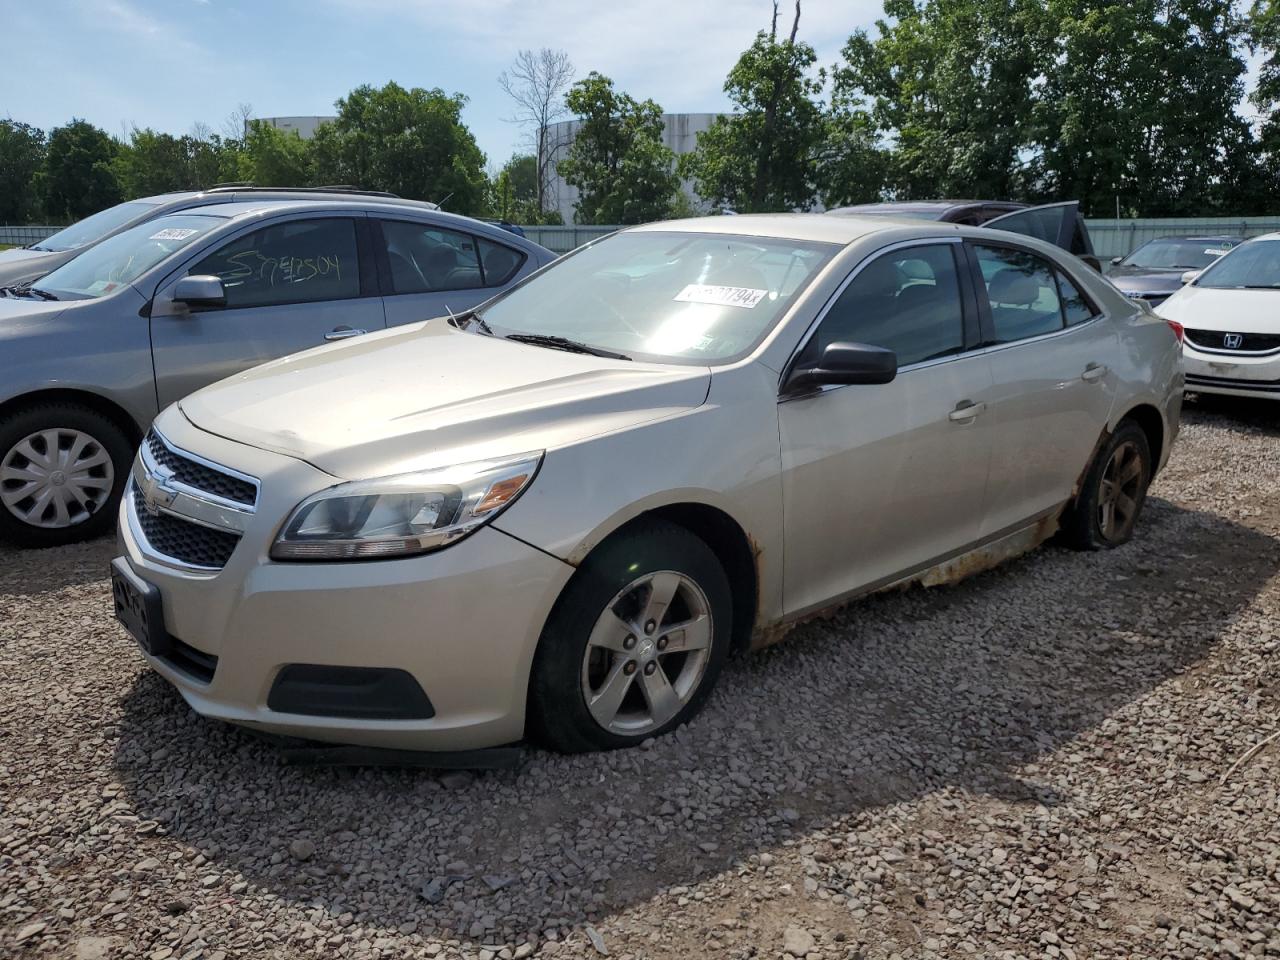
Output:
(403, 515)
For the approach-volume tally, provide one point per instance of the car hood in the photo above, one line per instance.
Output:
(1136, 280)
(18, 265)
(427, 395)
(1231, 311)
(17, 312)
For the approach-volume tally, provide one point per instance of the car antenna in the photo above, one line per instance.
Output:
(440, 203)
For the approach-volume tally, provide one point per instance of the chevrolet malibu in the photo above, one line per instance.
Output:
(555, 516)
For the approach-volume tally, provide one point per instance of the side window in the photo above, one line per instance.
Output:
(295, 262)
(908, 301)
(424, 259)
(1075, 308)
(1022, 292)
(500, 262)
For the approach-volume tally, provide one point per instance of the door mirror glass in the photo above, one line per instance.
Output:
(200, 290)
(842, 363)
(1190, 276)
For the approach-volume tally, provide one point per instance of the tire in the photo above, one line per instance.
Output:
(1085, 525)
(90, 495)
(606, 623)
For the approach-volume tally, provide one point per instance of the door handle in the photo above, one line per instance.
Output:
(1093, 372)
(344, 333)
(966, 411)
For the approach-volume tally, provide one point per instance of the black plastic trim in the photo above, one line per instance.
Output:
(367, 693)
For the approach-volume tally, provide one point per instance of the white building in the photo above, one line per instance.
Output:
(679, 132)
(305, 127)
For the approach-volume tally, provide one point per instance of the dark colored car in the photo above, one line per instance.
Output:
(30, 263)
(1058, 223)
(1154, 271)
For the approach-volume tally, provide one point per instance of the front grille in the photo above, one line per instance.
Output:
(186, 542)
(199, 476)
(1216, 340)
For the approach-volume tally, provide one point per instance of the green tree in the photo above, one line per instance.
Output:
(276, 158)
(765, 155)
(152, 163)
(22, 149)
(623, 171)
(514, 193)
(411, 142)
(951, 84)
(1139, 107)
(78, 179)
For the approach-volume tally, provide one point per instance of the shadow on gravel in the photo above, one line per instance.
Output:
(55, 567)
(1261, 414)
(898, 696)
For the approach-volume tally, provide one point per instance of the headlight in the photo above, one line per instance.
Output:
(403, 515)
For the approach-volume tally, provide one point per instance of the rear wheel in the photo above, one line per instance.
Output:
(635, 643)
(1115, 488)
(62, 469)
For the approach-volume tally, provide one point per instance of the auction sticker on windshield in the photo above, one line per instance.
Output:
(172, 233)
(721, 296)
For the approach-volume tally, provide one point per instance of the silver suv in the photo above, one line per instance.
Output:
(90, 352)
(20, 266)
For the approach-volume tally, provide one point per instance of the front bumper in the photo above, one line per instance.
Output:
(1228, 374)
(462, 622)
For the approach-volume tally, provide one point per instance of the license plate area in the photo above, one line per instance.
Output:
(139, 608)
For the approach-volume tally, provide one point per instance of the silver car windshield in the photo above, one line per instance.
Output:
(670, 296)
(1250, 266)
(123, 258)
(1178, 254)
(95, 227)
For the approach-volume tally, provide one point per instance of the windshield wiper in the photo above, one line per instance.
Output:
(480, 322)
(37, 292)
(564, 343)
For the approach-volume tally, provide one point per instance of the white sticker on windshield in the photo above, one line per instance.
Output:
(721, 296)
(1217, 251)
(172, 233)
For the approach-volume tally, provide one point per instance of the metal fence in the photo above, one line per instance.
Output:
(1111, 238)
(23, 235)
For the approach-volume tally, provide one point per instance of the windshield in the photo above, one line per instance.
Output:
(95, 227)
(1253, 265)
(671, 296)
(126, 256)
(1178, 254)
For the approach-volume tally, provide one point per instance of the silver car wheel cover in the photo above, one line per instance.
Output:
(1120, 491)
(56, 478)
(647, 654)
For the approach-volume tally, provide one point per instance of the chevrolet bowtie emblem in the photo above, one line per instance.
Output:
(158, 490)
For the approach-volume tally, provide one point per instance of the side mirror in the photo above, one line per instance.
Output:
(843, 363)
(1116, 261)
(200, 291)
(1190, 276)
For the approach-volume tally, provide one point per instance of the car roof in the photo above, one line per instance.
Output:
(390, 208)
(815, 227)
(922, 206)
(1205, 236)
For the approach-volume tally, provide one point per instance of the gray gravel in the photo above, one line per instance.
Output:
(1024, 765)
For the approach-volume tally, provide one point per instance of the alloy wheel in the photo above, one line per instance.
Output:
(56, 478)
(1120, 491)
(647, 653)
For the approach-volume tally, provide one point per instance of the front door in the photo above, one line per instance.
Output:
(291, 285)
(879, 481)
(1053, 387)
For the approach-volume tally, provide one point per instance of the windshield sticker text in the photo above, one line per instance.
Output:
(1216, 251)
(721, 296)
(172, 233)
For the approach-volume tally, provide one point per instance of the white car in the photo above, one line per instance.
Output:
(1230, 314)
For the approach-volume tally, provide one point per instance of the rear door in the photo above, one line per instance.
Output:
(428, 270)
(1050, 351)
(291, 285)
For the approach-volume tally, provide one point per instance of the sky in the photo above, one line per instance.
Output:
(167, 64)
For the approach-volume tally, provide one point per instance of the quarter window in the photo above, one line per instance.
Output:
(1022, 292)
(1075, 308)
(424, 259)
(907, 301)
(296, 262)
(500, 262)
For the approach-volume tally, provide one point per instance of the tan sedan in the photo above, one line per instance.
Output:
(557, 514)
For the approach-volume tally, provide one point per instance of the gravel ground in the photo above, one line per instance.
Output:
(1028, 764)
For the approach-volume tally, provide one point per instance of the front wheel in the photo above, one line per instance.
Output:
(62, 468)
(1109, 503)
(635, 643)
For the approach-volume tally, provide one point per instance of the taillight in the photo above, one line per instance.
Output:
(1176, 327)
